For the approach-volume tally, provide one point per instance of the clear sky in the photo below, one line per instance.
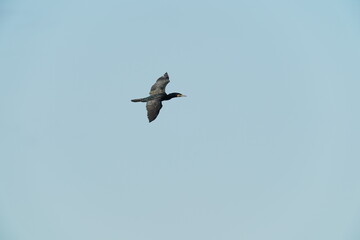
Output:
(265, 146)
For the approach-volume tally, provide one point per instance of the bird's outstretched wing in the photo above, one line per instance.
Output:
(153, 108)
(160, 85)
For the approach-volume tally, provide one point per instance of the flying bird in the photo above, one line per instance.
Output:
(157, 95)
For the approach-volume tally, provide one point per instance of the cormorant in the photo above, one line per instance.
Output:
(157, 95)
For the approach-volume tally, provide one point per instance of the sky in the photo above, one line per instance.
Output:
(265, 146)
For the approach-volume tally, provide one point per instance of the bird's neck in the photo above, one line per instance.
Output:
(169, 96)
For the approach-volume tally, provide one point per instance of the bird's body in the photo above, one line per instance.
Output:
(157, 95)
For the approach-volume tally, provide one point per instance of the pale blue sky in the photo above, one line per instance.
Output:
(265, 146)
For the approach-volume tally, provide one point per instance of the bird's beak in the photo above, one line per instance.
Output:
(182, 95)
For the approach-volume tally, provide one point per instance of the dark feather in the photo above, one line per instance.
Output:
(160, 85)
(153, 108)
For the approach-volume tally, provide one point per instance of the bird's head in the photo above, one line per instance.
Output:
(173, 95)
(179, 95)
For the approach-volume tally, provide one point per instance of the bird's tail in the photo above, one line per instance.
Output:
(138, 100)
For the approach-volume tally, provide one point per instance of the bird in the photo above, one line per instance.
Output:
(157, 95)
